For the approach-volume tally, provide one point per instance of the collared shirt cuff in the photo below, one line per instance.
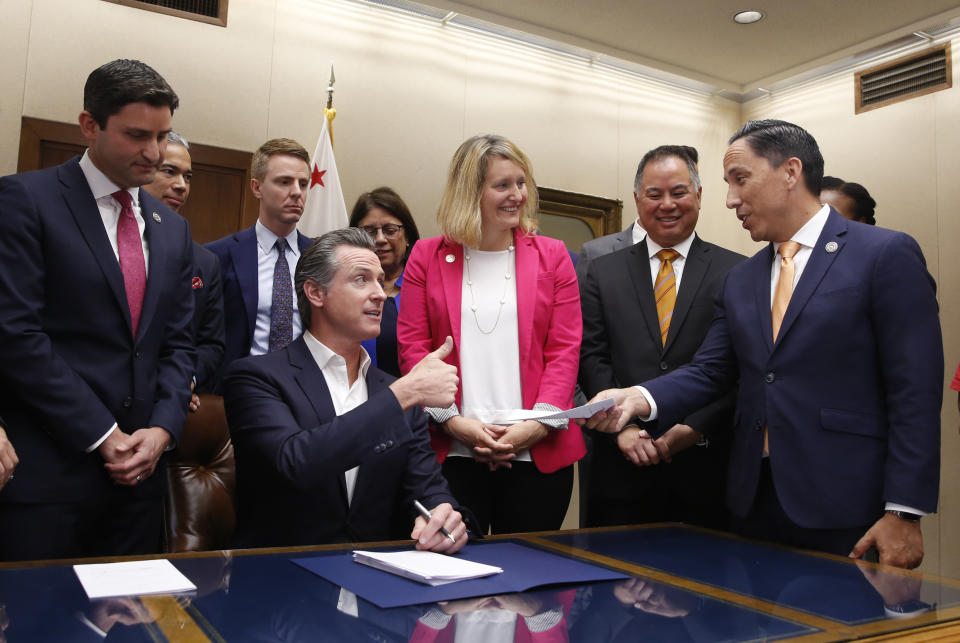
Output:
(650, 401)
(441, 415)
(93, 447)
(892, 506)
(544, 620)
(435, 618)
(558, 424)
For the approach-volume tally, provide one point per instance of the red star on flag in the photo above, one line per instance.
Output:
(317, 176)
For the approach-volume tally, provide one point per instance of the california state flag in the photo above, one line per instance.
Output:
(325, 209)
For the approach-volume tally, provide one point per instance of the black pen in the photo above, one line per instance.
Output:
(426, 514)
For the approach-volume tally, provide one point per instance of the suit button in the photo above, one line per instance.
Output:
(389, 444)
(378, 448)
(770, 377)
(758, 425)
(127, 402)
(138, 354)
(663, 366)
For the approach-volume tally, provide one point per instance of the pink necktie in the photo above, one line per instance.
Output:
(130, 249)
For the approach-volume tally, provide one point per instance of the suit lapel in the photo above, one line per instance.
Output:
(79, 200)
(761, 290)
(314, 387)
(528, 269)
(817, 266)
(695, 268)
(639, 269)
(375, 383)
(244, 254)
(158, 259)
(451, 278)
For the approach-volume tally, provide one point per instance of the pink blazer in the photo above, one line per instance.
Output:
(549, 324)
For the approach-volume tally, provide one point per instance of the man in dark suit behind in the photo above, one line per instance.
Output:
(328, 447)
(250, 261)
(95, 312)
(833, 334)
(172, 186)
(623, 342)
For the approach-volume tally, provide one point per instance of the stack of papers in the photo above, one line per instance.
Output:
(425, 567)
(134, 578)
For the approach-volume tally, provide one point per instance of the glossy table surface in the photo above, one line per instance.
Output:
(686, 585)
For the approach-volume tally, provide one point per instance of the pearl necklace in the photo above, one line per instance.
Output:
(503, 296)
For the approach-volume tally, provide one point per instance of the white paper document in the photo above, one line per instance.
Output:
(426, 567)
(134, 578)
(518, 415)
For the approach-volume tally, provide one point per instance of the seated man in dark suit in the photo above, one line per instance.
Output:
(172, 186)
(329, 448)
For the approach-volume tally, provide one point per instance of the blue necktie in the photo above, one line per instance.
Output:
(281, 304)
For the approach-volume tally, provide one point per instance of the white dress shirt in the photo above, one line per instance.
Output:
(683, 248)
(103, 189)
(266, 263)
(345, 396)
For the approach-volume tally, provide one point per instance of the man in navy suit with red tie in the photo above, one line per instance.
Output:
(831, 333)
(95, 311)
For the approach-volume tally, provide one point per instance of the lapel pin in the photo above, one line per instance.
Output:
(450, 258)
(831, 246)
(156, 217)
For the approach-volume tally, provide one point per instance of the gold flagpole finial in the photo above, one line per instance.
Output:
(330, 112)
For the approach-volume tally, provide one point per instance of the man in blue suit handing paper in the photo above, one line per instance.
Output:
(833, 334)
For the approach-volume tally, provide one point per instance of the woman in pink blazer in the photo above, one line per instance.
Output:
(510, 301)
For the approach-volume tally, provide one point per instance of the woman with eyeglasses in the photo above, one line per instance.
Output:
(386, 218)
(509, 299)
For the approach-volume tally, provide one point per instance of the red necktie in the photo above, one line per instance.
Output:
(130, 250)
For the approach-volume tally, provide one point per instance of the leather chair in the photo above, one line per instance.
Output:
(201, 482)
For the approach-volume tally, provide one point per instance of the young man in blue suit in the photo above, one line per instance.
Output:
(95, 313)
(257, 279)
(329, 448)
(832, 331)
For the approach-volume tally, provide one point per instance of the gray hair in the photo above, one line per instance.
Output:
(685, 153)
(318, 263)
(173, 137)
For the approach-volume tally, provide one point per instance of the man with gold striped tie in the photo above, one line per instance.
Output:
(831, 335)
(646, 309)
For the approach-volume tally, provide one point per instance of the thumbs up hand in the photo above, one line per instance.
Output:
(432, 382)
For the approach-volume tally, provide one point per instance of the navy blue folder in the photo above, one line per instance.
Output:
(523, 568)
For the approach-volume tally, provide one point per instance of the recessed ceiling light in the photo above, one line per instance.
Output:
(747, 17)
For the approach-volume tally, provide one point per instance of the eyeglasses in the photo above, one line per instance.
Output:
(390, 230)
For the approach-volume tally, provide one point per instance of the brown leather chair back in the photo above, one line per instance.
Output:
(201, 482)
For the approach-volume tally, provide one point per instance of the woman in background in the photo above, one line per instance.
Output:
(849, 199)
(386, 218)
(510, 301)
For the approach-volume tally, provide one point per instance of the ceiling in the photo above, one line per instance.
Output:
(698, 40)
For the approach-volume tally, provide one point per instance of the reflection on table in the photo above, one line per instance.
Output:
(686, 585)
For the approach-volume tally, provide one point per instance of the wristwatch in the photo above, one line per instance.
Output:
(905, 515)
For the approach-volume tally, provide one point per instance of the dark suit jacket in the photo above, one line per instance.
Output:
(238, 263)
(208, 329)
(70, 366)
(292, 451)
(601, 246)
(851, 391)
(622, 346)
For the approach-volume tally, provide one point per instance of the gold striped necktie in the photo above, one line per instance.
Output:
(665, 290)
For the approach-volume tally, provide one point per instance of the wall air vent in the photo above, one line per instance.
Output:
(213, 12)
(923, 73)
